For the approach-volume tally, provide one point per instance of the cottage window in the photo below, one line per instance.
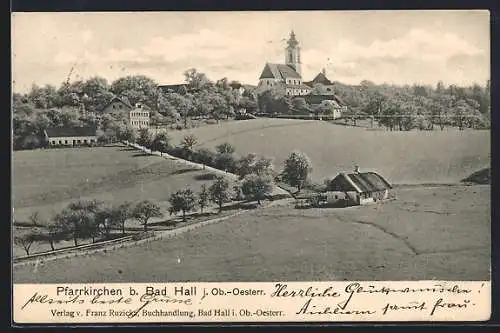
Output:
(79, 141)
(60, 141)
(85, 141)
(66, 142)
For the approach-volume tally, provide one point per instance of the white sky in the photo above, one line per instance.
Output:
(382, 46)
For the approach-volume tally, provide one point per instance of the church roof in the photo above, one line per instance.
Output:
(278, 71)
(321, 78)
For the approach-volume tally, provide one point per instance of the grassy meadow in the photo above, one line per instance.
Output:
(47, 180)
(427, 233)
(402, 157)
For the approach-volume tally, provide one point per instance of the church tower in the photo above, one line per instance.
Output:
(292, 53)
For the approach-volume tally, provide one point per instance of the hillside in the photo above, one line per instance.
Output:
(403, 157)
(414, 238)
(47, 180)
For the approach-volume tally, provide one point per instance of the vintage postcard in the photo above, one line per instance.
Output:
(258, 166)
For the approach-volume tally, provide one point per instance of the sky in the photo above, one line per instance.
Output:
(396, 47)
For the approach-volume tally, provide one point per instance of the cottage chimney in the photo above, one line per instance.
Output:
(323, 71)
(356, 169)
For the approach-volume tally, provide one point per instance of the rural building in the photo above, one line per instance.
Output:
(71, 136)
(360, 187)
(117, 105)
(140, 116)
(182, 88)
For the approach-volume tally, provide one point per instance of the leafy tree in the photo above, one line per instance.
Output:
(220, 191)
(78, 220)
(203, 197)
(53, 231)
(251, 164)
(120, 214)
(225, 162)
(188, 143)
(181, 104)
(36, 219)
(297, 169)
(257, 186)
(127, 133)
(144, 211)
(145, 138)
(225, 148)
(96, 94)
(195, 79)
(204, 156)
(86, 211)
(137, 89)
(182, 200)
(246, 165)
(161, 142)
(26, 240)
(264, 166)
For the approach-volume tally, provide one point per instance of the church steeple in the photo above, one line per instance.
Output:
(292, 53)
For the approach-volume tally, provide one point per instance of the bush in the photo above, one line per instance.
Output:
(177, 152)
(204, 156)
(226, 162)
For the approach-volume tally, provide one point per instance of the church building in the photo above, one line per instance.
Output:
(287, 76)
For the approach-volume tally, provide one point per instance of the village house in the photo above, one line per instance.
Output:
(70, 136)
(117, 104)
(140, 116)
(359, 188)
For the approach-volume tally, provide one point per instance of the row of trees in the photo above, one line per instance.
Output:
(93, 219)
(394, 107)
(81, 103)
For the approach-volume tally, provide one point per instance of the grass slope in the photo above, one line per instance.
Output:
(46, 181)
(402, 157)
(427, 233)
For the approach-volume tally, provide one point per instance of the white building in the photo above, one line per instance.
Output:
(139, 117)
(71, 136)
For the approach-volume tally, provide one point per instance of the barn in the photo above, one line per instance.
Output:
(361, 187)
(70, 136)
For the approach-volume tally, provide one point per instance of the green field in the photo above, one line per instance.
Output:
(402, 157)
(438, 232)
(47, 180)
(427, 233)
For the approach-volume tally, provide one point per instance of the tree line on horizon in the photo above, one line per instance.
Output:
(81, 103)
(395, 107)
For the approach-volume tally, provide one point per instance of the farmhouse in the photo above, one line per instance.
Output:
(117, 104)
(360, 187)
(138, 116)
(70, 136)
